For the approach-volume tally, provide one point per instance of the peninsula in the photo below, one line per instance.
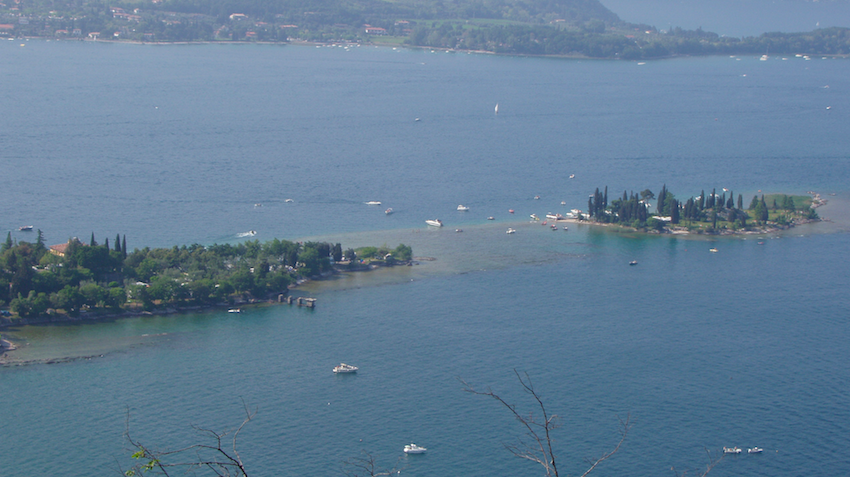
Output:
(74, 280)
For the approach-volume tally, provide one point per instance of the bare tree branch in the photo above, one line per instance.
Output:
(539, 430)
(713, 460)
(367, 466)
(215, 457)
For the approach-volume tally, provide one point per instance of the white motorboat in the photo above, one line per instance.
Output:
(462, 208)
(389, 211)
(633, 263)
(345, 368)
(552, 216)
(575, 212)
(234, 310)
(491, 218)
(534, 217)
(732, 450)
(572, 176)
(373, 202)
(497, 108)
(563, 202)
(755, 450)
(25, 228)
(289, 201)
(414, 449)
(511, 231)
(434, 222)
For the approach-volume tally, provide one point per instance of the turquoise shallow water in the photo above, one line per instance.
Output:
(169, 145)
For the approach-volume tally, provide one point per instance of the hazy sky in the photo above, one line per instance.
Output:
(735, 17)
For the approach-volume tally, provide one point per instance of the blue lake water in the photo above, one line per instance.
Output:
(176, 144)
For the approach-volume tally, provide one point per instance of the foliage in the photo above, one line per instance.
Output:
(33, 280)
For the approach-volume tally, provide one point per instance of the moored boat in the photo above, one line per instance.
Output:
(511, 231)
(434, 222)
(462, 208)
(345, 368)
(25, 228)
(234, 310)
(373, 202)
(755, 450)
(414, 449)
(732, 450)
(389, 211)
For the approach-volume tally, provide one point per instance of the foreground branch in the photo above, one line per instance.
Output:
(215, 457)
(539, 429)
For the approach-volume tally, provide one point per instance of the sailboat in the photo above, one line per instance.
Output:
(497, 108)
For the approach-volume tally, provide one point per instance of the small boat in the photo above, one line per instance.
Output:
(712, 250)
(417, 120)
(258, 204)
(511, 231)
(534, 217)
(373, 202)
(413, 448)
(497, 108)
(458, 230)
(732, 450)
(566, 228)
(554, 227)
(345, 368)
(462, 208)
(434, 222)
(389, 211)
(552, 216)
(563, 202)
(536, 197)
(235, 310)
(510, 211)
(25, 228)
(755, 450)
(289, 201)
(575, 211)
(491, 218)
(572, 176)
(633, 263)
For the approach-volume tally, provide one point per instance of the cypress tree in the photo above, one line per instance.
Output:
(674, 212)
(730, 204)
(740, 202)
(605, 199)
(118, 242)
(754, 203)
(92, 242)
(8, 243)
(124, 246)
(107, 243)
(701, 200)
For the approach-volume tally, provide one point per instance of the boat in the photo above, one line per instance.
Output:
(712, 250)
(462, 208)
(552, 216)
(235, 310)
(413, 448)
(510, 211)
(572, 176)
(373, 202)
(434, 222)
(458, 230)
(497, 108)
(554, 227)
(389, 211)
(633, 263)
(25, 228)
(491, 218)
(755, 450)
(511, 231)
(289, 201)
(566, 228)
(732, 450)
(345, 368)
(536, 197)
(563, 202)
(534, 217)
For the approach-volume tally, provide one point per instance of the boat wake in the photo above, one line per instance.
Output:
(249, 233)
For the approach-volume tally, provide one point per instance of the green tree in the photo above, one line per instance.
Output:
(8, 243)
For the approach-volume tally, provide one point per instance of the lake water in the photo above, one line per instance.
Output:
(176, 144)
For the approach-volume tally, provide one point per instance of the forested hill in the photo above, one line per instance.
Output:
(581, 28)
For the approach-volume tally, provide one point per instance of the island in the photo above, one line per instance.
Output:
(76, 280)
(569, 28)
(712, 213)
